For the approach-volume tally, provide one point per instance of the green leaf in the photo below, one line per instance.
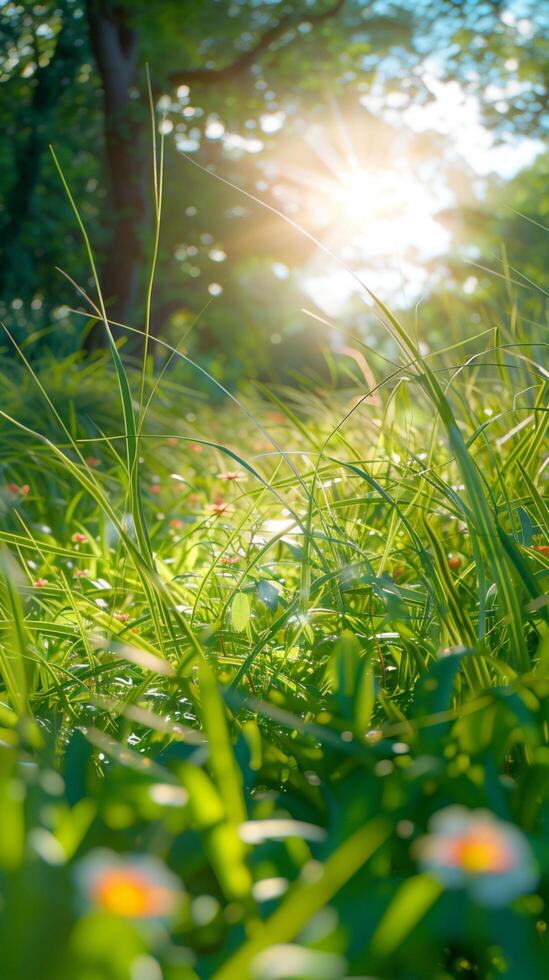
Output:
(240, 612)
(412, 901)
(308, 898)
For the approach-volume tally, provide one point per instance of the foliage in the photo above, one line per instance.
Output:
(208, 62)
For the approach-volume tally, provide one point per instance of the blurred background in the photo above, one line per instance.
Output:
(405, 138)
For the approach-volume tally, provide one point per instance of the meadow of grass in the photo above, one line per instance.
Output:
(264, 645)
(274, 667)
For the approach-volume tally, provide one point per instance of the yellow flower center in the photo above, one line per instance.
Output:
(482, 851)
(128, 893)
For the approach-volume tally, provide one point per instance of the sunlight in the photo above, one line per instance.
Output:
(388, 210)
(373, 196)
(383, 223)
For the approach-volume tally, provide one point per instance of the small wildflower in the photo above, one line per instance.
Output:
(40, 583)
(17, 490)
(454, 562)
(176, 523)
(133, 886)
(172, 441)
(79, 538)
(93, 462)
(155, 488)
(229, 560)
(122, 617)
(195, 447)
(231, 475)
(220, 507)
(474, 849)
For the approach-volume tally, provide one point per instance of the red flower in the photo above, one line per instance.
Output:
(40, 583)
(176, 523)
(155, 489)
(454, 562)
(93, 462)
(194, 447)
(542, 548)
(79, 538)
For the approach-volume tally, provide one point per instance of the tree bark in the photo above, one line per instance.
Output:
(115, 46)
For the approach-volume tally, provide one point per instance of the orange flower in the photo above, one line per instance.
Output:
(195, 447)
(15, 489)
(476, 850)
(40, 583)
(542, 548)
(231, 475)
(79, 538)
(176, 523)
(454, 562)
(134, 886)
(155, 488)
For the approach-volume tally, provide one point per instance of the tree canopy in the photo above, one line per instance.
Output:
(287, 100)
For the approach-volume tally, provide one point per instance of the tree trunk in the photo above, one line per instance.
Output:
(115, 47)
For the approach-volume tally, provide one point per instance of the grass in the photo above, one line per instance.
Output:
(271, 664)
